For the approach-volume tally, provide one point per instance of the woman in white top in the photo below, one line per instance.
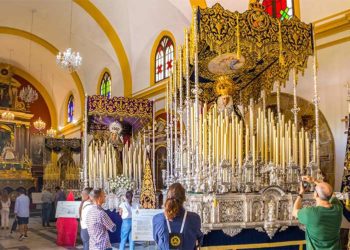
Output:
(85, 206)
(125, 211)
(5, 210)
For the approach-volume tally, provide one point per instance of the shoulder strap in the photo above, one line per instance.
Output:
(168, 224)
(87, 204)
(183, 222)
(182, 225)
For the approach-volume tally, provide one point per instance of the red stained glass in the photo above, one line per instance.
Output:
(164, 58)
(281, 9)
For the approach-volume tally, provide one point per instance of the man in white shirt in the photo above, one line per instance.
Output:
(22, 213)
(85, 206)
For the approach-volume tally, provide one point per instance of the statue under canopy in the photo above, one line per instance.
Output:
(8, 152)
(225, 87)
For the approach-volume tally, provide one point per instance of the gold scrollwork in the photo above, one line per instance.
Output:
(270, 48)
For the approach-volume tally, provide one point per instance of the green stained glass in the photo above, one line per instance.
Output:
(106, 85)
(284, 14)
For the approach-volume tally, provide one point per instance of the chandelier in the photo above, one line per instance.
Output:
(39, 124)
(69, 60)
(8, 116)
(28, 95)
(51, 132)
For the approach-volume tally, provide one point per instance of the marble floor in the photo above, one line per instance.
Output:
(41, 238)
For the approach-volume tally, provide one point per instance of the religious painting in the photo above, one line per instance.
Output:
(5, 96)
(37, 143)
(160, 166)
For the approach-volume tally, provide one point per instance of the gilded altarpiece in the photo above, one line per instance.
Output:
(15, 162)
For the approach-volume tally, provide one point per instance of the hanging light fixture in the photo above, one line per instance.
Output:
(8, 116)
(28, 95)
(69, 59)
(39, 124)
(51, 132)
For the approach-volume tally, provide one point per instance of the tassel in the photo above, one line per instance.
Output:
(238, 40)
(281, 57)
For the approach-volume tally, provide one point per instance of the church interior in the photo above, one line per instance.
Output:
(235, 100)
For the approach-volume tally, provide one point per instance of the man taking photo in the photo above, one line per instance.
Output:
(322, 221)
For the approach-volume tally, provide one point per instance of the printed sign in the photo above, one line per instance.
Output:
(142, 224)
(36, 198)
(67, 209)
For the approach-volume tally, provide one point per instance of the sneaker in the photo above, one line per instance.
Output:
(21, 237)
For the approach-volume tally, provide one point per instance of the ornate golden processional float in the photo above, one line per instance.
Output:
(65, 172)
(240, 162)
(117, 153)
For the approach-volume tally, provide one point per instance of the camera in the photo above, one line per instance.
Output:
(306, 185)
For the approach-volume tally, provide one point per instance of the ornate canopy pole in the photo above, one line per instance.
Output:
(295, 108)
(181, 116)
(316, 101)
(188, 117)
(153, 144)
(196, 94)
(171, 127)
(85, 152)
(176, 149)
(167, 135)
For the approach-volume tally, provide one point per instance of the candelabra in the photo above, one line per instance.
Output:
(69, 60)
(28, 95)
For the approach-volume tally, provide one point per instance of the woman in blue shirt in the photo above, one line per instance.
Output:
(170, 226)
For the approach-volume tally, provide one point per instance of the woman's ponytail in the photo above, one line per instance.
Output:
(174, 202)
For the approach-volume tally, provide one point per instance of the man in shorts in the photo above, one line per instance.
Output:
(22, 213)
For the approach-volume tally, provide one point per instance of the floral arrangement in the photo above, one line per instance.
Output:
(120, 183)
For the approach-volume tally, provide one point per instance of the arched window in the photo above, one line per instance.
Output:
(105, 85)
(164, 58)
(282, 9)
(70, 109)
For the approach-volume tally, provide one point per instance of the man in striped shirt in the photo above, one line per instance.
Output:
(98, 222)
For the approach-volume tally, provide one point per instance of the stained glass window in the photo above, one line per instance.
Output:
(105, 88)
(70, 109)
(282, 9)
(164, 58)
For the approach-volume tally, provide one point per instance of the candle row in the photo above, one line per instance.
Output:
(267, 139)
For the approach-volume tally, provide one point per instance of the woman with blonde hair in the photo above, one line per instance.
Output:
(5, 210)
(170, 227)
